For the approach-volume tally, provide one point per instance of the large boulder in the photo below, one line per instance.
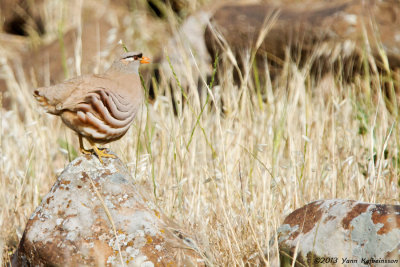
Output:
(344, 38)
(95, 215)
(334, 232)
(321, 35)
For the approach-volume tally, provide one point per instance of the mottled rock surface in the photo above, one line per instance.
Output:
(94, 211)
(340, 230)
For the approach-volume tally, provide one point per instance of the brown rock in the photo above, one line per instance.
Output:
(74, 224)
(188, 56)
(52, 62)
(329, 36)
(338, 230)
(46, 62)
(19, 16)
(100, 35)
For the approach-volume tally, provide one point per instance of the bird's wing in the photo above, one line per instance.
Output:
(120, 91)
(82, 89)
(68, 94)
(52, 97)
(106, 104)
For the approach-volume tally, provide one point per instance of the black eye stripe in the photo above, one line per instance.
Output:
(135, 57)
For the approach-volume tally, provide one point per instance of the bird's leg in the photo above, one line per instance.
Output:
(82, 148)
(101, 152)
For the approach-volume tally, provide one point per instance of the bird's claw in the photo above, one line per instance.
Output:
(102, 153)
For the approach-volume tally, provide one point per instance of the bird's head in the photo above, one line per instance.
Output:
(130, 62)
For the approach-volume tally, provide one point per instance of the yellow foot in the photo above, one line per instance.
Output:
(101, 153)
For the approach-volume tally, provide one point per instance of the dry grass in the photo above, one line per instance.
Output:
(230, 173)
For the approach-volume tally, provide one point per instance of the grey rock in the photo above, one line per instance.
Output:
(95, 215)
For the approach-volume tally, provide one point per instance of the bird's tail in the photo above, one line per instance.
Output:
(43, 101)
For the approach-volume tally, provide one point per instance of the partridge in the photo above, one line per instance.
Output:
(100, 107)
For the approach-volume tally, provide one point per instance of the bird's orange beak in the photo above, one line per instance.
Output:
(145, 60)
